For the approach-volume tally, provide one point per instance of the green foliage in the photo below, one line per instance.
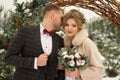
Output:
(3, 26)
(106, 35)
(6, 71)
(29, 13)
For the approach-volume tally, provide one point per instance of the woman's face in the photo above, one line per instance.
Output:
(71, 27)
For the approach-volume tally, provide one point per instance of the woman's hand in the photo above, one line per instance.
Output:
(72, 73)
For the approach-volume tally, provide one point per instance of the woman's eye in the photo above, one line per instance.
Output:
(66, 24)
(74, 25)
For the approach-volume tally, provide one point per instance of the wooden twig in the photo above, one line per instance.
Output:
(108, 9)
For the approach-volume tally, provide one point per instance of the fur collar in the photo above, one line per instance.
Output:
(78, 39)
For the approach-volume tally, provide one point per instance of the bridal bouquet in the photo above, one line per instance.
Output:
(70, 59)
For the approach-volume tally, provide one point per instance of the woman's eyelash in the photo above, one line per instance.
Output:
(74, 25)
(66, 24)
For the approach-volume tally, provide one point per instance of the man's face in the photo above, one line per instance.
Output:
(57, 20)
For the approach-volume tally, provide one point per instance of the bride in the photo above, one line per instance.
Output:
(76, 35)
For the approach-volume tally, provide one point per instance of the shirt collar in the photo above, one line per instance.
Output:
(41, 28)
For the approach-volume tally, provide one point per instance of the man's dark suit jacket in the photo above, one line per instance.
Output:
(23, 50)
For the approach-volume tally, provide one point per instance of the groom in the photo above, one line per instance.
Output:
(33, 51)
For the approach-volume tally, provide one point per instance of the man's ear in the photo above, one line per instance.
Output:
(52, 15)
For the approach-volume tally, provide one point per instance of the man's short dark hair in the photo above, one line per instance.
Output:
(51, 7)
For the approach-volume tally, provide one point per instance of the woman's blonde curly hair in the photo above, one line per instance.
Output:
(76, 15)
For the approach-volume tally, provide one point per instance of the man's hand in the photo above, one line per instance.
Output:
(42, 60)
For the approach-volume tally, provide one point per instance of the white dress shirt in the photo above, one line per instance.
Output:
(46, 41)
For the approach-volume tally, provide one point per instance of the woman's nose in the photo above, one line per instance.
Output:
(69, 27)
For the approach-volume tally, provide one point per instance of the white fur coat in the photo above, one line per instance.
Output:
(86, 46)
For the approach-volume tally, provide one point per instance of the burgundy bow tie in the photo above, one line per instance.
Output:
(47, 32)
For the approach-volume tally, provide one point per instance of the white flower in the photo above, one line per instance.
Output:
(5, 34)
(71, 56)
(72, 63)
(82, 62)
(1, 32)
(61, 33)
(77, 55)
(64, 53)
(14, 69)
(27, 11)
(23, 7)
(30, 14)
(2, 50)
(78, 63)
(65, 56)
(115, 60)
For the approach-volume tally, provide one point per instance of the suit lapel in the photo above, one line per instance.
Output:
(54, 43)
(38, 40)
(54, 47)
